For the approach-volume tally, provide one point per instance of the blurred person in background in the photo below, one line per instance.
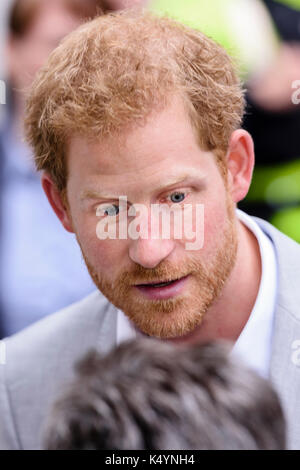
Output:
(273, 119)
(263, 36)
(147, 395)
(114, 5)
(41, 267)
(242, 27)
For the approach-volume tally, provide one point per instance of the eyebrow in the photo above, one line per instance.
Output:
(92, 194)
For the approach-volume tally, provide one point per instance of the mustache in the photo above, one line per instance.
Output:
(165, 271)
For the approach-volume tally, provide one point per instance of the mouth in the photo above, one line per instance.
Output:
(162, 289)
(158, 284)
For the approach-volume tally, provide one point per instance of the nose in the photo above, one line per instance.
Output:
(149, 249)
(149, 252)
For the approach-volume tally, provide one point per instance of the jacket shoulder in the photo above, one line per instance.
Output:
(40, 359)
(288, 261)
(60, 329)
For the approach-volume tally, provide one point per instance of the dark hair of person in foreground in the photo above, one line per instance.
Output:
(149, 394)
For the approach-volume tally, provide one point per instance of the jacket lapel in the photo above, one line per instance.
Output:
(285, 354)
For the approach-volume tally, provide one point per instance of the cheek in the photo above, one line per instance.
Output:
(215, 220)
(106, 256)
(208, 219)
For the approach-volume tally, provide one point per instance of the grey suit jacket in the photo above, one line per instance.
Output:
(40, 359)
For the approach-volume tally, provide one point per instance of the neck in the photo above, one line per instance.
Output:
(229, 314)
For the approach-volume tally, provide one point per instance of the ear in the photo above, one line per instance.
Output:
(55, 198)
(240, 163)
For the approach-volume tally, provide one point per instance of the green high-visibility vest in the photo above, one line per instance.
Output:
(290, 3)
(278, 186)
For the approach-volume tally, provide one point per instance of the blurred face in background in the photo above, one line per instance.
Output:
(36, 28)
(123, 4)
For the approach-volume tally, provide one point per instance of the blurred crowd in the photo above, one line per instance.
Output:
(41, 269)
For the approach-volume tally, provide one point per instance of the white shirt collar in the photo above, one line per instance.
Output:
(254, 343)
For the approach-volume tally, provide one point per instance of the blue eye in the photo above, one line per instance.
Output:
(177, 197)
(112, 210)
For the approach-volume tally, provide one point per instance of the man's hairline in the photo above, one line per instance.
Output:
(127, 128)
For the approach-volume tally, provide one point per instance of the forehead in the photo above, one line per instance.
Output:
(165, 144)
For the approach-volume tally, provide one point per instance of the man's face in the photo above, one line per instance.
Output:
(147, 165)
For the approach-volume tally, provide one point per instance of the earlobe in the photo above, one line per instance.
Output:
(240, 163)
(56, 201)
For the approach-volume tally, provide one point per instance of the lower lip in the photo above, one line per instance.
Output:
(160, 293)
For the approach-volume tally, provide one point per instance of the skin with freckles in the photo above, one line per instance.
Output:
(144, 162)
